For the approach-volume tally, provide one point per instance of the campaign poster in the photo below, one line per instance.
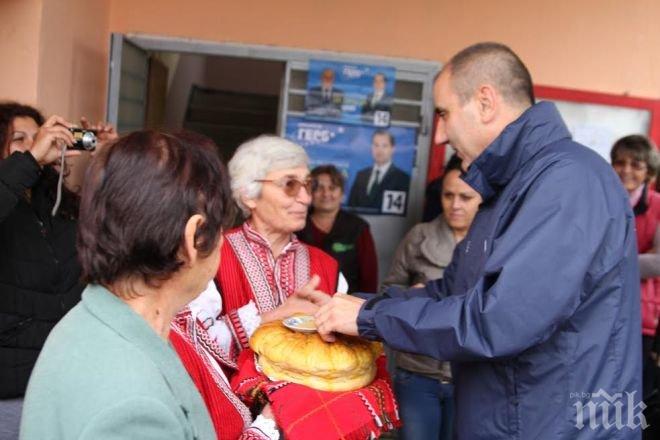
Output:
(376, 162)
(350, 93)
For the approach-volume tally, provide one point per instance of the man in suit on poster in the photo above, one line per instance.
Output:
(325, 99)
(378, 100)
(372, 182)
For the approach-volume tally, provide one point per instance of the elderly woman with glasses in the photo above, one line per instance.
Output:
(263, 263)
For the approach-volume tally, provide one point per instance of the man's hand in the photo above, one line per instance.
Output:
(105, 133)
(308, 292)
(338, 315)
(50, 139)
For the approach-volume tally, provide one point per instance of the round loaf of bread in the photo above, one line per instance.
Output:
(304, 358)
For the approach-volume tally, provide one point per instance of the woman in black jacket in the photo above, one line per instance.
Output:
(39, 272)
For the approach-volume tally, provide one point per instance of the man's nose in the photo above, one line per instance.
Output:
(440, 132)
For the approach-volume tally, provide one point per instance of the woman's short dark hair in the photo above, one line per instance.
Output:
(638, 147)
(137, 197)
(336, 177)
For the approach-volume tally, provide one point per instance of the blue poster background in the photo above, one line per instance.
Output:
(348, 147)
(352, 88)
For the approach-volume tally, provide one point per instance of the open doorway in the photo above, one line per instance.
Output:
(229, 99)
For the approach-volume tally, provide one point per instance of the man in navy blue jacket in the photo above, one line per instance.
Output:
(539, 309)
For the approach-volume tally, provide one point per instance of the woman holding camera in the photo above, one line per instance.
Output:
(38, 268)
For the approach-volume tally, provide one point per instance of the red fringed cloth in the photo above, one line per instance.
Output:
(303, 413)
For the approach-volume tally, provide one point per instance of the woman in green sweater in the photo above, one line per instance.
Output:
(151, 215)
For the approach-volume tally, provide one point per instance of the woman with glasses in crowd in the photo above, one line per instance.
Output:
(635, 160)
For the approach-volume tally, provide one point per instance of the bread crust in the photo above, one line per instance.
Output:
(304, 358)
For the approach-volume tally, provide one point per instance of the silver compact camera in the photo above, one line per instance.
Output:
(84, 140)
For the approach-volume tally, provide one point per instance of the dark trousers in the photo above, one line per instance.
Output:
(426, 406)
(648, 366)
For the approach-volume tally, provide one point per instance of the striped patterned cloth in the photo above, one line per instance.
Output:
(303, 413)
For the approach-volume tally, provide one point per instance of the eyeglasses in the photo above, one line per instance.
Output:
(290, 185)
(636, 165)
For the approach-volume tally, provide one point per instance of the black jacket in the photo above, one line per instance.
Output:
(39, 271)
(341, 244)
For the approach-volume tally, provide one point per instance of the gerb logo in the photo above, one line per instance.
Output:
(314, 135)
(603, 409)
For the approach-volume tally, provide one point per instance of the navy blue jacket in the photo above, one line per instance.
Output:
(540, 305)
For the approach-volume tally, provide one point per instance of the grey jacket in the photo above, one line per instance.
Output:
(422, 256)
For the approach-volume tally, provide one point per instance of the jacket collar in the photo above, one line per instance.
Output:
(438, 241)
(539, 126)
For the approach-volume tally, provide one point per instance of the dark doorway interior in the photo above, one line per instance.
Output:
(230, 118)
(229, 99)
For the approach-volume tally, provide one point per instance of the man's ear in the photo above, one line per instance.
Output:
(189, 253)
(488, 102)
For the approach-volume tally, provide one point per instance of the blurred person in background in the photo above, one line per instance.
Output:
(341, 234)
(635, 160)
(424, 385)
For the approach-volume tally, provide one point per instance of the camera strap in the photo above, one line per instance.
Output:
(60, 182)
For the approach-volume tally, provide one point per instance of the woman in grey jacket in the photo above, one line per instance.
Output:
(423, 385)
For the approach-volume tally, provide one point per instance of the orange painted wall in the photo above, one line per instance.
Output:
(57, 49)
(55, 55)
(73, 58)
(19, 49)
(598, 45)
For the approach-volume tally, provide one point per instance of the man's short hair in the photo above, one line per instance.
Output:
(381, 132)
(495, 64)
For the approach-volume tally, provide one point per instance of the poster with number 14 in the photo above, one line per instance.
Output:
(376, 162)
